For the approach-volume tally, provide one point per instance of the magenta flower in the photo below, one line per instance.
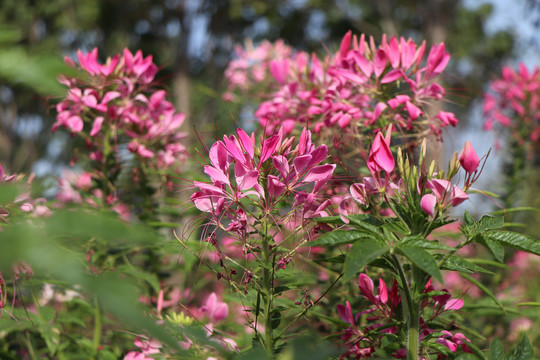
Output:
(468, 158)
(216, 309)
(116, 105)
(343, 90)
(380, 157)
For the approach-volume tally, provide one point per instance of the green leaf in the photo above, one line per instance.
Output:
(466, 356)
(339, 237)
(523, 350)
(363, 219)
(439, 348)
(423, 243)
(457, 263)
(329, 220)
(493, 245)
(529, 303)
(490, 223)
(362, 252)
(483, 288)
(515, 240)
(469, 220)
(8, 193)
(397, 226)
(496, 350)
(422, 259)
(340, 259)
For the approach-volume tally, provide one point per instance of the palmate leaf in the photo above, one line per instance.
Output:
(422, 259)
(363, 251)
(514, 240)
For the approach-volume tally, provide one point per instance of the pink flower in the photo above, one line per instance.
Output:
(380, 156)
(468, 158)
(216, 310)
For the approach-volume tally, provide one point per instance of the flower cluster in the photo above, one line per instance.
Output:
(514, 104)
(23, 202)
(244, 173)
(362, 339)
(361, 87)
(78, 188)
(253, 65)
(115, 102)
(435, 192)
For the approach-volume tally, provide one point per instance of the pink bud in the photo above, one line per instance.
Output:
(427, 203)
(380, 156)
(468, 158)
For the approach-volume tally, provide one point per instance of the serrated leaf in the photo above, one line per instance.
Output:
(523, 350)
(423, 243)
(339, 237)
(515, 240)
(493, 245)
(422, 259)
(466, 356)
(397, 226)
(496, 350)
(483, 288)
(329, 220)
(340, 259)
(362, 253)
(490, 223)
(440, 348)
(367, 224)
(469, 220)
(457, 263)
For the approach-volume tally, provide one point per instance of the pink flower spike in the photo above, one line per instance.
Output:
(427, 203)
(468, 158)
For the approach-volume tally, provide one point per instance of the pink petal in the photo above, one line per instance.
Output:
(97, 125)
(454, 304)
(319, 173)
(427, 203)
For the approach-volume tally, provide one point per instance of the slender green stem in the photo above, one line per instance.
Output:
(267, 289)
(453, 251)
(411, 311)
(97, 328)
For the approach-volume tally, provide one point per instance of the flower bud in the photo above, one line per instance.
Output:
(468, 158)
